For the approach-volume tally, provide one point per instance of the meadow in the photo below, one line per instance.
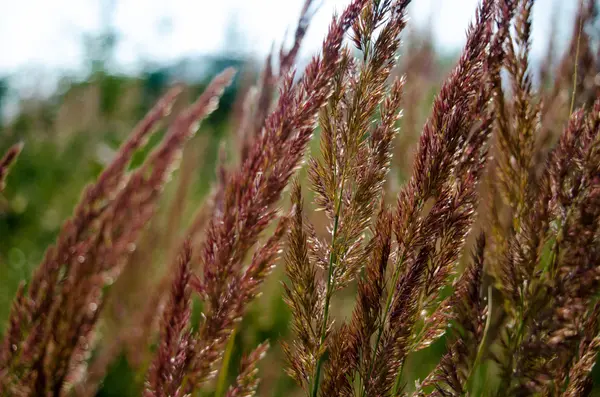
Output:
(382, 222)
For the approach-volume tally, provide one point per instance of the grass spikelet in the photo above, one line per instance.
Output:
(67, 287)
(304, 297)
(467, 313)
(167, 371)
(353, 342)
(384, 299)
(443, 149)
(247, 381)
(355, 158)
(251, 192)
(539, 350)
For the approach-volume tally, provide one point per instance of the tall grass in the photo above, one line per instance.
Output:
(500, 293)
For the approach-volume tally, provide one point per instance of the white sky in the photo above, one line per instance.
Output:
(47, 34)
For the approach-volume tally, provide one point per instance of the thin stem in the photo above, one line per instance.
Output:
(398, 379)
(328, 293)
(515, 342)
(222, 379)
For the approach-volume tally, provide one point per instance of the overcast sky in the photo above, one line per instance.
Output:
(47, 34)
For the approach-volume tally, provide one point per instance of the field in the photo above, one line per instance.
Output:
(371, 225)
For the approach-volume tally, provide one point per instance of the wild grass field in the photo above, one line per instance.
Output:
(381, 222)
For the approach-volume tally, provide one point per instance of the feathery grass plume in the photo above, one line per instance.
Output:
(355, 338)
(517, 120)
(444, 232)
(287, 58)
(250, 194)
(176, 343)
(94, 202)
(180, 376)
(353, 341)
(349, 177)
(467, 311)
(258, 103)
(7, 161)
(59, 338)
(146, 318)
(580, 382)
(549, 298)
(121, 326)
(572, 271)
(132, 209)
(247, 381)
(503, 135)
(97, 198)
(443, 248)
(515, 130)
(447, 167)
(513, 176)
(303, 295)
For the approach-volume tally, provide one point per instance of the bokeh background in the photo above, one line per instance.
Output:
(75, 76)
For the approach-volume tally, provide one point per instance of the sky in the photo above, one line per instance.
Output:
(47, 35)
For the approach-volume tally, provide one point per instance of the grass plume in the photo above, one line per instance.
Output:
(382, 297)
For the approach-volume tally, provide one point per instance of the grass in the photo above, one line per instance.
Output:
(469, 270)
